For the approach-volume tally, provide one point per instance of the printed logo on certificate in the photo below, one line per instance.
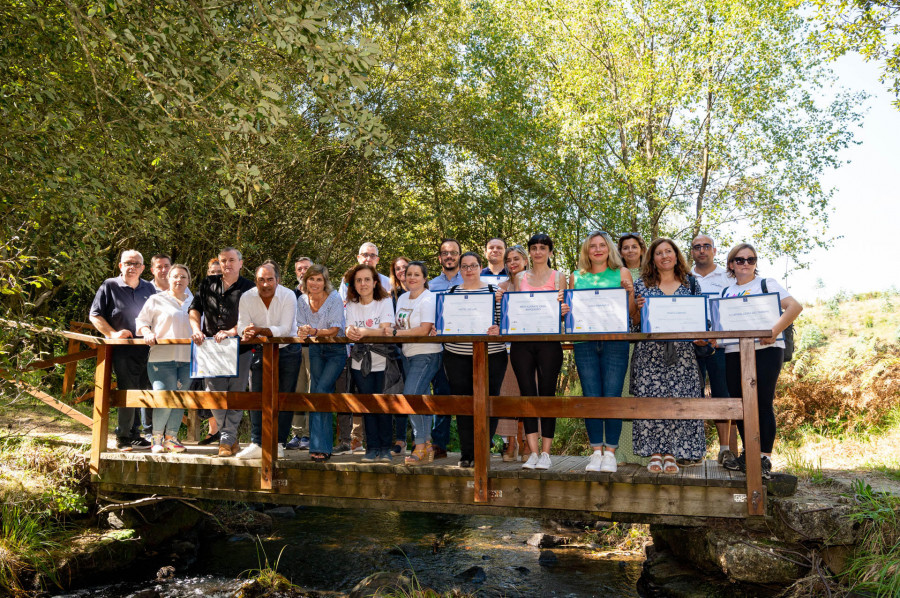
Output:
(530, 312)
(675, 313)
(597, 310)
(464, 313)
(745, 312)
(215, 360)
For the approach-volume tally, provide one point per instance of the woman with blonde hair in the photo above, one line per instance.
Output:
(602, 365)
(741, 267)
(515, 260)
(165, 316)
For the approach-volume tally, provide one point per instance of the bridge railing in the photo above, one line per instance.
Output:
(480, 404)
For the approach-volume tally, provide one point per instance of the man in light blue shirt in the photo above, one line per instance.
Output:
(450, 275)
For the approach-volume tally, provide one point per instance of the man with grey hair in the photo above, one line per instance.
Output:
(712, 279)
(214, 315)
(116, 305)
(368, 254)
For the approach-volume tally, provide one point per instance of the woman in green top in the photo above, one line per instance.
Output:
(602, 364)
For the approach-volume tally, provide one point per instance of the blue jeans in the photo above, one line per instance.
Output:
(168, 375)
(378, 426)
(326, 362)
(602, 366)
(288, 370)
(441, 432)
(714, 365)
(420, 370)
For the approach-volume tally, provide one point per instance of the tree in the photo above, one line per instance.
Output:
(869, 27)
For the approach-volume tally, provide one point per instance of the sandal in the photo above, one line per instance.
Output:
(425, 454)
(655, 465)
(670, 466)
(319, 457)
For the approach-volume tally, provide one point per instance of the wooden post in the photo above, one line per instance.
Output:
(269, 414)
(752, 454)
(480, 416)
(71, 368)
(102, 390)
(193, 425)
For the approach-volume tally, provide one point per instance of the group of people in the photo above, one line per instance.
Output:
(366, 303)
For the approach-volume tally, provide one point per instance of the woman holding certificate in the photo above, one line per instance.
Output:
(320, 314)
(741, 267)
(414, 316)
(368, 313)
(516, 260)
(541, 359)
(458, 358)
(165, 315)
(665, 369)
(602, 365)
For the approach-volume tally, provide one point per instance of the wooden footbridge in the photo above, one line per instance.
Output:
(491, 487)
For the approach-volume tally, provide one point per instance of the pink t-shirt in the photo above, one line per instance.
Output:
(550, 285)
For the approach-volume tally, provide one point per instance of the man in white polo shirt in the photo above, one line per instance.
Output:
(712, 279)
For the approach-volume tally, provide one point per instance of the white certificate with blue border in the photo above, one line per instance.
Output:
(745, 312)
(464, 313)
(530, 312)
(215, 360)
(597, 310)
(674, 313)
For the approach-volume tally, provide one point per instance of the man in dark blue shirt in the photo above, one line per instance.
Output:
(495, 253)
(116, 305)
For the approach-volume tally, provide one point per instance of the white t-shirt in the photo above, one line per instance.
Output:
(412, 313)
(754, 287)
(715, 281)
(371, 315)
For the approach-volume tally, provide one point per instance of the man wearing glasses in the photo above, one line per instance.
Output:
(449, 276)
(368, 255)
(116, 305)
(712, 279)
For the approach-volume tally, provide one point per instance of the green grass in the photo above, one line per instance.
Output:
(874, 569)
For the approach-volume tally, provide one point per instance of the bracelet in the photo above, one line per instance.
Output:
(317, 332)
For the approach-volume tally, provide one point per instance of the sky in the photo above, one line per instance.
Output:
(866, 201)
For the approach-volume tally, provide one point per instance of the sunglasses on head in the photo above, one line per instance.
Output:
(740, 261)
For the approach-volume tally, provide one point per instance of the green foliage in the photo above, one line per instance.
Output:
(811, 337)
(867, 27)
(26, 542)
(874, 569)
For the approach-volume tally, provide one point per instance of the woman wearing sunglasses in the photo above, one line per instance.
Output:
(769, 352)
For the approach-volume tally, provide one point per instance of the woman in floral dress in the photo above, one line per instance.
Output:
(665, 369)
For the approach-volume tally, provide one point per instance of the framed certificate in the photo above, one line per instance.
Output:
(530, 312)
(745, 312)
(464, 313)
(676, 313)
(215, 360)
(597, 310)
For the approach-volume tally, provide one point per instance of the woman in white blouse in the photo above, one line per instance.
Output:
(165, 316)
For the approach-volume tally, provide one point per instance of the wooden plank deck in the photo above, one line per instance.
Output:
(566, 489)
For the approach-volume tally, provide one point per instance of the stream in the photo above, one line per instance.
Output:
(332, 550)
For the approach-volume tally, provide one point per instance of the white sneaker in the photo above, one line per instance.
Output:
(280, 451)
(608, 464)
(543, 462)
(596, 460)
(157, 444)
(532, 461)
(251, 451)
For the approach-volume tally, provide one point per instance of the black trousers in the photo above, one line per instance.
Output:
(545, 360)
(768, 366)
(459, 373)
(129, 364)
